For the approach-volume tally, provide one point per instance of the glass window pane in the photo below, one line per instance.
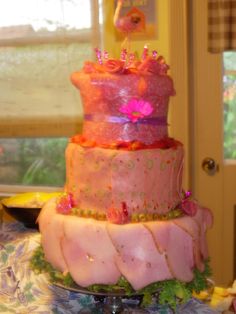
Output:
(36, 95)
(28, 17)
(229, 100)
(35, 80)
(34, 162)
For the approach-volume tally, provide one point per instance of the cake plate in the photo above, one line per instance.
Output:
(109, 302)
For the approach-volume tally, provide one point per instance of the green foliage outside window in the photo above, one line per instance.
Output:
(39, 161)
(229, 100)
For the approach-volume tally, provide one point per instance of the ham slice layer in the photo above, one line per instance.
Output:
(89, 252)
(98, 252)
(177, 245)
(51, 226)
(138, 258)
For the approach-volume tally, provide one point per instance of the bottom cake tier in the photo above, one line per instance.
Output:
(99, 252)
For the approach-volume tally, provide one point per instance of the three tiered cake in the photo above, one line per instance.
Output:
(124, 213)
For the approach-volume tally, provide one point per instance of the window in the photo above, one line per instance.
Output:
(229, 99)
(41, 43)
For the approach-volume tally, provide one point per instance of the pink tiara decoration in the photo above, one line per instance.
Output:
(105, 55)
(136, 109)
(127, 63)
(131, 57)
(187, 194)
(154, 54)
(99, 55)
(145, 52)
(123, 55)
(131, 61)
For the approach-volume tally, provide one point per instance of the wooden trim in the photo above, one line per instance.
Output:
(179, 109)
(44, 128)
(10, 190)
(234, 248)
(229, 72)
(81, 36)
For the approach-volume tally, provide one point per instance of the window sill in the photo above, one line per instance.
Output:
(9, 190)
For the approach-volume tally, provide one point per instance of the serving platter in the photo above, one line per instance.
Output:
(109, 302)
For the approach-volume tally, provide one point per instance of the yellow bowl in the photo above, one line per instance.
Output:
(26, 207)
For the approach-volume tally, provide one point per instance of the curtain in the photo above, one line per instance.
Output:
(221, 25)
(41, 43)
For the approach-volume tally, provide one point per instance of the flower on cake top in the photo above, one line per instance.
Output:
(128, 63)
(65, 204)
(188, 205)
(155, 66)
(114, 66)
(136, 109)
(118, 215)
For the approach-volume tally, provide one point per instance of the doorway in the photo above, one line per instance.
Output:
(213, 176)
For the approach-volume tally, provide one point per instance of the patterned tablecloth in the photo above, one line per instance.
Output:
(23, 292)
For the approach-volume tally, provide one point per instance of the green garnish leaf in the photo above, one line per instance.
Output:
(167, 292)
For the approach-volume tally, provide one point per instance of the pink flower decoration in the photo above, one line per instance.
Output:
(114, 66)
(89, 67)
(118, 216)
(136, 109)
(154, 66)
(189, 207)
(187, 194)
(65, 204)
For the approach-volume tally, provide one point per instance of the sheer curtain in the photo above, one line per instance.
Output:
(221, 25)
(41, 43)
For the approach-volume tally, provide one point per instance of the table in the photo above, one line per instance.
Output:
(22, 291)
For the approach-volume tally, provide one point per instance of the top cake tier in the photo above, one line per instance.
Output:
(125, 103)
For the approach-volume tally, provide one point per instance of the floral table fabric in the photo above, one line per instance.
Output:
(22, 291)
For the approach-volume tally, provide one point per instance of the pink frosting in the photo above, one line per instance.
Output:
(99, 252)
(104, 93)
(146, 181)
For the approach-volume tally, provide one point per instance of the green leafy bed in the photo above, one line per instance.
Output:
(168, 292)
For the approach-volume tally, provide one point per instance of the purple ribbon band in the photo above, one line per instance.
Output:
(116, 119)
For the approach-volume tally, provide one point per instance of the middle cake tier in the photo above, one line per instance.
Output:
(141, 181)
